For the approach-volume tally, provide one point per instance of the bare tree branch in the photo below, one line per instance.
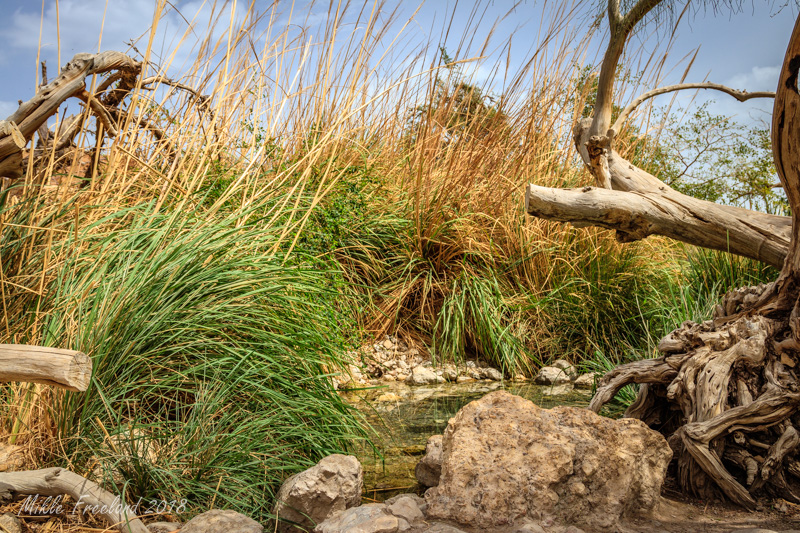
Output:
(620, 30)
(742, 96)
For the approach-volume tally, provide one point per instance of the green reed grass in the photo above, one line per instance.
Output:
(210, 360)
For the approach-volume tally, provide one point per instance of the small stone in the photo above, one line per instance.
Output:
(429, 469)
(407, 509)
(369, 518)
(586, 381)
(164, 527)
(550, 375)
(449, 373)
(388, 397)
(491, 373)
(416, 498)
(218, 520)
(388, 344)
(464, 379)
(421, 375)
(10, 523)
(530, 527)
(566, 366)
(573, 529)
(442, 528)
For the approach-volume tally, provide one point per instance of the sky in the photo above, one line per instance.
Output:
(742, 49)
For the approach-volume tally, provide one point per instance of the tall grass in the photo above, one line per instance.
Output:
(210, 360)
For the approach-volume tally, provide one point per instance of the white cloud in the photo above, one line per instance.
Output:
(758, 79)
(78, 23)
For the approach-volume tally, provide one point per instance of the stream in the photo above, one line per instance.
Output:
(404, 417)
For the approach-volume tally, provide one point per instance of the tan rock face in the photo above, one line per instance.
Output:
(310, 497)
(505, 459)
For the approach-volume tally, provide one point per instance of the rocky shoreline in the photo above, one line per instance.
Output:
(505, 465)
(394, 360)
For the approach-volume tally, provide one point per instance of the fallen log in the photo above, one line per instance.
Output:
(635, 215)
(67, 369)
(88, 496)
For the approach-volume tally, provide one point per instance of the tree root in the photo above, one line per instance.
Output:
(726, 396)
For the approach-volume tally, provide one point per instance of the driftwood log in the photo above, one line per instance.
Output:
(67, 369)
(88, 496)
(725, 392)
(19, 128)
(122, 76)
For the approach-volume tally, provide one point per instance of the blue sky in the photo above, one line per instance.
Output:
(742, 49)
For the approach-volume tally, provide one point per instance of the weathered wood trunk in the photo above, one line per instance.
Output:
(51, 366)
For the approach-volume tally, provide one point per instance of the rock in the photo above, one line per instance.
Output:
(418, 501)
(388, 344)
(422, 375)
(388, 397)
(530, 527)
(550, 375)
(449, 373)
(407, 509)
(10, 523)
(506, 459)
(429, 468)
(218, 520)
(369, 518)
(314, 495)
(464, 379)
(12, 457)
(491, 373)
(164, 527)
(566, 366)
(585, 381)
(442, 528)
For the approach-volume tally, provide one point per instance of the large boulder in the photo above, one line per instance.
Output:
(429, 468)
(505, 459)
(314, 495)
(218, 520)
